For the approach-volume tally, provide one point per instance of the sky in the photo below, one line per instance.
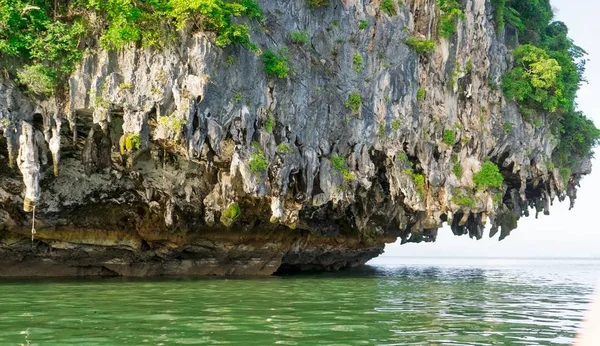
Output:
(564, 233)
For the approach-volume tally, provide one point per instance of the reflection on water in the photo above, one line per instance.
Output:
(424, 302)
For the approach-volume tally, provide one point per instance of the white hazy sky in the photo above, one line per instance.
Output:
(564, 233)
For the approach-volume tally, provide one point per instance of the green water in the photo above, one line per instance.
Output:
(416, 302)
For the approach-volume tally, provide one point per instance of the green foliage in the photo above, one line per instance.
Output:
(172, 122)
(258, 162)
(299, 37)
(420, 45)
(451, 14)
(578, 136)
(231, 214)
(44, 37)
(420, 94)
(396, 125)
(457, 169)
(402, 157)
(269, 124)
(507, 127)
(419, 180)
(388, 7)
(460, 198)
(363, 24)
(488, 176)
(317, 3)
(548, 72)
(535, 79)
(565, 174)
(357, 60)
(284, 148)
(381, 130)
(354, 102)
(449, 137)
(39, 79)
(339, 164)
(276, 64)
(499, 6)
(130, 142)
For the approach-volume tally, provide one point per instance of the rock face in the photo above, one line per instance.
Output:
(190, 160)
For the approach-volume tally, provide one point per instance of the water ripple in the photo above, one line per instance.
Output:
(456, 303)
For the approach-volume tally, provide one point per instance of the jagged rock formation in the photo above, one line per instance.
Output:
(153, 164)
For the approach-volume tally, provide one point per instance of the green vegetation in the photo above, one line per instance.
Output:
(402, 157)
(388, 7)
(418, 180)
(507, 127)
(130, 142)
(396, 125)
(284, 148)
(451, 14)
(449, 137)
(339, 164)
(258, 162)
(457, 170)
(488, 176)
(420, 45)
(172, 122)
(420, 94)
(381, 130)
(43, 39)
(354, 103)
(299, 37)
(276, 64)
(565, 174)
(357, 60)
(230, 215)
(317, 3)
(534, 82)
(548, 71)
(269, 124)
(363, 24)
(462, 199)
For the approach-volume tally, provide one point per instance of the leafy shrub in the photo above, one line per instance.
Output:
(284, 148)
(357, 59)
(363, 24)
(231, 214)
(420, 94)
(419, 180)
(449, 137)
(276, 64)
(451, 14)
(396, 125)
(317, 3)
(457, 169)
(462, 199)
(507, 127)
(354, 102)
(488, 176)
(388, 7)
(420, 45)
(299, 37)
(38, 79)
(339, 164)
(258, 162)
(269, 124)
(535, 79)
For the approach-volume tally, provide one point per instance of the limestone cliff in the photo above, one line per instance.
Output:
(190, 159)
